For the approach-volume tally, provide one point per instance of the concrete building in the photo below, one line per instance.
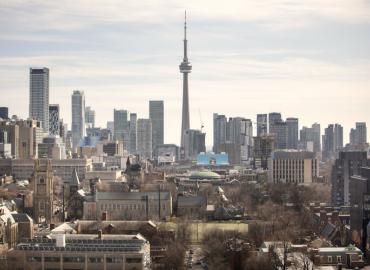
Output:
(82, 251)
(132, 133)
(52, 148)
(194, 143)
(261, 124)
(4, 113)
(112, 148)
(292, 129)
(30, 135)
(338, 137)
(273, 118)
(78, 118)
(39, 96)
(291, 166)
(89, 117)
(346, 165)
(219, 131)
(144, 138)
(358, 136)
(156, 115)
(263, 147)
(233, 136)
(54, 122)
(310, 138)
(161, 152)
(22, 169)
(121, 126)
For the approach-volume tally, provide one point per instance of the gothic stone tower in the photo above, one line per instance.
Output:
(43, 192)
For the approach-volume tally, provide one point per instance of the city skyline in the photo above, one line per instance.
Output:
(293, 77)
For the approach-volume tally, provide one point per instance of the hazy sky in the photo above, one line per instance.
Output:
(309, 59)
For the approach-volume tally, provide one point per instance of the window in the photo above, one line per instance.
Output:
(95, 259)
(52, 259)
(73, 259)
(42, 180)
(34, 259)
(114, 260)
(330, 259)
(339, 259)
(133, 260)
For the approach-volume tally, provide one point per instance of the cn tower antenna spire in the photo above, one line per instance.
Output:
(185, 27)
(185, 69)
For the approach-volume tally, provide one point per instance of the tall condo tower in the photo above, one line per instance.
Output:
(39, 96)
(185, 69)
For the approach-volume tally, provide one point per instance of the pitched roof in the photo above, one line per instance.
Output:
(75, 181)
(165, 195)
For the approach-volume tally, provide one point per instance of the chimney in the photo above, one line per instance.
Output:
(100, 234)
(60, 240)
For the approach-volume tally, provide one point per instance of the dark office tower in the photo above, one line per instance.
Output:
(90, 117)
(120, 124)
(280, 131)
(194, 143)
(156, 115)
(359, 189)
(132, 133)
(261, 124)
(292, 128)
(328, 142)
(345, 166)
(54, 124)
(219, 131)
(78, 118)
(338, 137)
(273, 118)
(4, 113)
(316, 137)
(39, 96)
(185, 69)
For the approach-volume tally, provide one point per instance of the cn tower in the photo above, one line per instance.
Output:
(185, 69)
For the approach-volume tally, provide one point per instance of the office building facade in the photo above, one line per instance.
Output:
(39, 96)
(292, 129)
(54, 122)
(78, 118)
(156, 115)
(261, 124)
(292, 166)
(144, 138)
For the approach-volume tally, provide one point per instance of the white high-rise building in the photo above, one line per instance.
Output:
(39, 96)
(78, 118)
(144, 138)
(89, 117)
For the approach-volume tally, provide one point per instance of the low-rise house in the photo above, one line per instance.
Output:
(349, 257)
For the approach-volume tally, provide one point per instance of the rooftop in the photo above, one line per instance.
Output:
(87, 242)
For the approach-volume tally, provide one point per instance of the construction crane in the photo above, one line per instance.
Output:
(201, 121)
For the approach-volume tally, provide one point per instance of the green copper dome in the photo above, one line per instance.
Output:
(203, 175)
